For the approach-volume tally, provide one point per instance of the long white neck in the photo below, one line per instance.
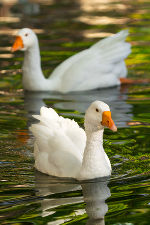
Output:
(95, 161)
(33, 78)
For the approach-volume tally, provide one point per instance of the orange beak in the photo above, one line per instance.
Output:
(18, 44)
(107, 121)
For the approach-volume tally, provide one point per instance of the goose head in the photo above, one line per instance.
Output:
(25, 39)
(98, 116)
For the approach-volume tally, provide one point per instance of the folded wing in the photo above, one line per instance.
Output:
(59, 144)
(98, 66)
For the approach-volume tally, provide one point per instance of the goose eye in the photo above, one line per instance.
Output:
(97, 110)
(26, 35)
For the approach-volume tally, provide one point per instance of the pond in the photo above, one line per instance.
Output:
(64, 28)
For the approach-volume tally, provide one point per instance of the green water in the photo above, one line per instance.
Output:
(64, 28)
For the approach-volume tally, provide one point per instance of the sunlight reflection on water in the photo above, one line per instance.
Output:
(64, 28)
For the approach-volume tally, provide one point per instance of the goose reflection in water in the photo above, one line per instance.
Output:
(80, 101)
(95, 193)
(47, 186)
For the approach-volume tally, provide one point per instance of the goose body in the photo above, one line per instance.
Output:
(64, 149)
(100, 66)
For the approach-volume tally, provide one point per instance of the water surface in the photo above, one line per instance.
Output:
(64, 28)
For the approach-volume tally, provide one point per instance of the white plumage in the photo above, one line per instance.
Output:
(99, 66)
(58, 140)
(64, 149)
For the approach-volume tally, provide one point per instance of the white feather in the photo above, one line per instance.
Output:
(99, 66)
(57, 138)
(63, 149)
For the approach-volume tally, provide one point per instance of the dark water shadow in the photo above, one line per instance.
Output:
(80, 101)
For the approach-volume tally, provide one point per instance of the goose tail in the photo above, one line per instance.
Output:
(114, 49)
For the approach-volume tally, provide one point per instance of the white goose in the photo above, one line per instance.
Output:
(63, 149)
(102, 65)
